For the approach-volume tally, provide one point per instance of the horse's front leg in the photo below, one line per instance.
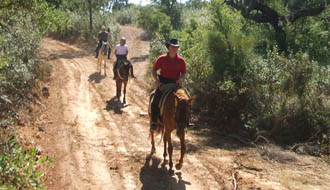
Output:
(153, 149)
(165, 151)
(118, 84)
(125, 84)
(170, 149)
(183, 151)
(105, 67)
(98, 65)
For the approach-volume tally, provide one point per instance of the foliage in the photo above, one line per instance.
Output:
(172, 9)
(201, 16)
(19, 168)
(22, 26)
(241, 80)
(151, 20)
(280, 14)
(289, 95)
(195, 4)
(312, 35)
(19, 44)
(79, 27)
(127, 15)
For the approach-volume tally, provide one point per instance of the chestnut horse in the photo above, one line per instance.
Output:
(123, 69)
(176, 115)
(103, 52)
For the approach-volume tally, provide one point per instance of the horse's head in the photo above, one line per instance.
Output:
(123, 68)
(183, 106)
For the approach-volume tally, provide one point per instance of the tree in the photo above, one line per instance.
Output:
(172, 9)
(119, 4)
(196, 4)
(87, 9)
(275, 13)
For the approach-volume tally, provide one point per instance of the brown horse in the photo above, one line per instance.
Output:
(103, 52)
(176, 116)
(123, 69)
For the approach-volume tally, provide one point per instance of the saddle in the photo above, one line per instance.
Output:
(166, 89)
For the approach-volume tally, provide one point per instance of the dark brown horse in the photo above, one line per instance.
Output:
(176, 116)
(123, 69)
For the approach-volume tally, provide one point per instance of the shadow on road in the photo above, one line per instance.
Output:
(96, 77)
(115, 105)
(154, 176)
(64, 54)
(141, 58)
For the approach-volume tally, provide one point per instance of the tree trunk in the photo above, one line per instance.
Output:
(90, 15)
(280, 37)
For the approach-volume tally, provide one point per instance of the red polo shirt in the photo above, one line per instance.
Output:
(170, 67)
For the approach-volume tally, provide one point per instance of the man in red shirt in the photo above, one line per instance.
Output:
(172, 70)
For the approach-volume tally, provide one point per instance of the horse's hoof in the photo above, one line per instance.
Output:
(178, 166)
(171, 172)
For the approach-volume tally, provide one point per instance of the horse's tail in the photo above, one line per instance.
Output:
(161, 129)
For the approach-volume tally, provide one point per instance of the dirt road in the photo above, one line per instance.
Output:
(98, 143)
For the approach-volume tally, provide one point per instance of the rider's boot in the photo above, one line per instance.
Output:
(190, 123)
(97, 54)
(132, 73)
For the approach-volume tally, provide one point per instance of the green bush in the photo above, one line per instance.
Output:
(289, 95)
(19, 168)
(152, 20)
(127, 15)
(312, 35)
(80, 27)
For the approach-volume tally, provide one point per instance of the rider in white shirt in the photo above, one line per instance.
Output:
(121, 52)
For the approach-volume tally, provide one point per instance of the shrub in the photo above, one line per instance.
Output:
(151, 20)
(79, 27)
(290, 97)
(127, 15)
(19, 168)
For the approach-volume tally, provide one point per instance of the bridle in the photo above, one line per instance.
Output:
(123, 63)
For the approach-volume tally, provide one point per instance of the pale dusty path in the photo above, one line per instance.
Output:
(98, 143)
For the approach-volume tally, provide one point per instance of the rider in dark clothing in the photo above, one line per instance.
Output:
(172, 70)
(102, 37)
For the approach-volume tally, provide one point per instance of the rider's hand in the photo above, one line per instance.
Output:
(157, 83)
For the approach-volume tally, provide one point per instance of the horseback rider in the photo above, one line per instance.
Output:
(102, 37)
(172, 70)
(121, 52)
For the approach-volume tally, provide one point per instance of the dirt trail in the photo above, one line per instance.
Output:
(98, 143)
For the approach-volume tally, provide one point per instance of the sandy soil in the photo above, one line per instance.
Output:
(99, 143)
